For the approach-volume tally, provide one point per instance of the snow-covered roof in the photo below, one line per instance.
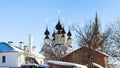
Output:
(103, 53)
(44, 65)
(37, 54)
(30, 65)
(37, 65)
(97, 65)
(66, 64)
(4, 47)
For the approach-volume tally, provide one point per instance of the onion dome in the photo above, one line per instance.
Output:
(69, 33)
(58, 32)
(69, 37)
(53, 35)
(47, 32)
(63, 31)
(59, 26)
(46, 37)
(63, 35)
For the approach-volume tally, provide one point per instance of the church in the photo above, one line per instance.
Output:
(59, 45)
(60, 48)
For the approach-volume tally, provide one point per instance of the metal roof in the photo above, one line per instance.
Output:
(4, 47)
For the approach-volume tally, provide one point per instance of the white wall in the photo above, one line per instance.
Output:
(11, 59)
(40, 60)
(15, 59)
(4, 67)
(21, 59)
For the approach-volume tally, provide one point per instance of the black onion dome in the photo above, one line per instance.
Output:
(47, 32)
(63, 35)
(58, 32)
(59, 26)
(53, 35)
(63, 31)
(69, 33)
(46, 37)
(69, 37)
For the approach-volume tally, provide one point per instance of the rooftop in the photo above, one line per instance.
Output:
(66, 64)
(4, 47)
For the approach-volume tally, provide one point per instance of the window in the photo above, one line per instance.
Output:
(3, 59)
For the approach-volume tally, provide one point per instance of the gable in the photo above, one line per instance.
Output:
(86, 49)
(81, 56)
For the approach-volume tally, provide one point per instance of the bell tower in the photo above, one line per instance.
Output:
(99, 45)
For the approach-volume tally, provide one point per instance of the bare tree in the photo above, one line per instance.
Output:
(83, 36)
(86, 37)
(91, 38)
(113, 45)
(56, 52)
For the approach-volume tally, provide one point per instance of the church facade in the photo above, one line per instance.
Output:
(59, 45)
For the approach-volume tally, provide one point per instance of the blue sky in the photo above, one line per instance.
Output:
(19, 18)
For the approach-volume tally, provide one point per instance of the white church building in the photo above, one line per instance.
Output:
(15, 56)
(59, 45)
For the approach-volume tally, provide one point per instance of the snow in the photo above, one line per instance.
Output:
(16, 49)
(37, 65)
(97, 65)
(44, 65)
(66, 64)
(29, 65)
(37, 54)
(103, 53)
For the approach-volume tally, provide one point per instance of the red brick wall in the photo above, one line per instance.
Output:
(100, 59)
(80, 56)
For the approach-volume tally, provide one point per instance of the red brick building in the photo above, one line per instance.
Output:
(81, 56)
(92, 55)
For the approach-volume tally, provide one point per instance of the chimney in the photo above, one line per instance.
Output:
(21, 45)
(30, 43)
(25, 48)
(10, 42)
(33, 48)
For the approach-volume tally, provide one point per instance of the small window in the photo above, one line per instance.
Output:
(3, 59)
